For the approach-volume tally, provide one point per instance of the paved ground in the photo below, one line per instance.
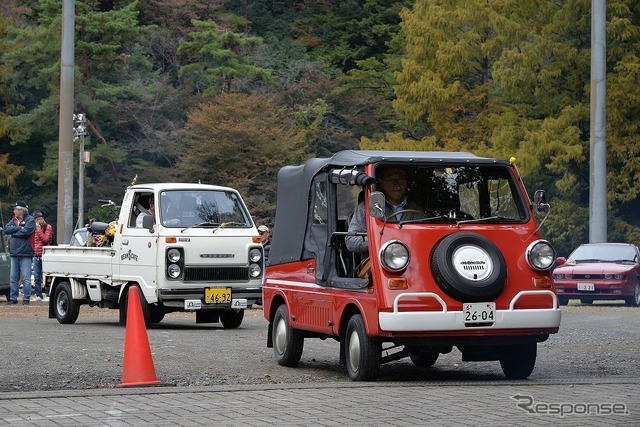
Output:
(329, 404)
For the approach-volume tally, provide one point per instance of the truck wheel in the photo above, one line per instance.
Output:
(65, 308)
(362, 352)
(469, 267)
(231, 319)
(633, 301)
(424, 360)
(156, 314)
(288, 342)
(6, 293)
(146, 312)
(517, 361)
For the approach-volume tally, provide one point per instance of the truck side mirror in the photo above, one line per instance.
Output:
(376, 204)
(148, 222)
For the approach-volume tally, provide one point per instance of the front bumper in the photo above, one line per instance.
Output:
(432, 321)
(176, 297)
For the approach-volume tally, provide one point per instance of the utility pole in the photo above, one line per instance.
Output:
(79, 131)
(65, 129)
(598, 125)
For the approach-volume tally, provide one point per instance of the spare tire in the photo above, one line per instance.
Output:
(469, 267)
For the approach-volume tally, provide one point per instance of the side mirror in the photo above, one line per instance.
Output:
(561, 260)
(376, 204)
(148, 222)
(540, 200)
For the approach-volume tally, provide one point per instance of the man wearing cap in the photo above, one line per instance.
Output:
(265, 239)
(21, 228)
(43, 237)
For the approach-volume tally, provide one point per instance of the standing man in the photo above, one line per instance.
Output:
(43, 236)
(265, 239)
(21, 228)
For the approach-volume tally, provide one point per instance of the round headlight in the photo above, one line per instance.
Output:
(255, 254)
(608, 276)
(173, 255)
(541, 255)
(174, 271)
(394, 256)
(619, 276)
(255, 270)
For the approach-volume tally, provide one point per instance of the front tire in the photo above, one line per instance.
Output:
(64, 307)
(362, 352)
(288, 342)
(634, 301)
(231, 319)
(144, 305)
(517, 361)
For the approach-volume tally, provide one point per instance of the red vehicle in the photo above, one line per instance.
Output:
(469, 269)
(599, 271)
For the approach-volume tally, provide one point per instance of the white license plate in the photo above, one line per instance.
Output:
(586, 286)
(192, 304)
(479, 312)
(239, 303)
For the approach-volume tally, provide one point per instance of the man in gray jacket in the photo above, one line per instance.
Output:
(21, 229)
(393, 182)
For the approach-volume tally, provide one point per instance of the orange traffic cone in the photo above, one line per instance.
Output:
(137, 368)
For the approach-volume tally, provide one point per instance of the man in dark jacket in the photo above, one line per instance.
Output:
(21, 229)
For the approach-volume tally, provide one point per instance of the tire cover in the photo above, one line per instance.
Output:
(469, 267)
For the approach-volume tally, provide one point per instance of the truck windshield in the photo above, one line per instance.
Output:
(463, 193)
(186, 208)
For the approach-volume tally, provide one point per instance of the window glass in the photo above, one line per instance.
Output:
(320, 209)
(185, 208)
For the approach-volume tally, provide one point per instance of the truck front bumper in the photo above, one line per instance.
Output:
(177, 297)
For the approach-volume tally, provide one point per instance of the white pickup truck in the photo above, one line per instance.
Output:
(186, 247)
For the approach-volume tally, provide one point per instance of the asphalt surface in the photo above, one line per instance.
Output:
(588, 374)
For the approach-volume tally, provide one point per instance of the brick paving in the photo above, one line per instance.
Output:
(539, 403)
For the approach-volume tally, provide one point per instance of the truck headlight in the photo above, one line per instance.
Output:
(255, 255)
(173, 255)
(394, 256)
(174, 271)
(541, 255)
(255, 270)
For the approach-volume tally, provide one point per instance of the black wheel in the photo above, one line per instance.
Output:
(362, 352)
(124, 303)
(586, 301)
(6, 293)
(156, 313)
(288, 343)
(518, 361)
(64, 307)
(424, 360)
(469, 267)
(633, 301)
(563, 300)
(231, 319)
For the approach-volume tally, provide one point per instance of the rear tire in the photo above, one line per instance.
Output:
(424, 360)
(288, 342)
(231, 319)
(518, 361)
(362, 352)
(64, 307)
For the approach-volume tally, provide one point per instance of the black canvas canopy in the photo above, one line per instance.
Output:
(294, 185)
